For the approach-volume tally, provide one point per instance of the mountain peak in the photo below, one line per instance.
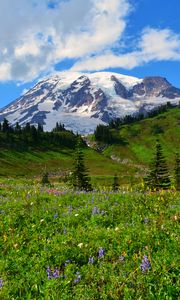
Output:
(81, 101)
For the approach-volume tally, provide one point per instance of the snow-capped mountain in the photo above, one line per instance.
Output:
(82, 101)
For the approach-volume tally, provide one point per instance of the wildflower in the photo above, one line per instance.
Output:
(64, 231)
(146, 220)
(42, 220)
(101, 252)
(145, 264)
(78, 278)
(80, 245)
(49, 272)
(67, 262)
(175, 218)
(121, 258)
(1, 282)
(70, 209)
(52, 274)
(28, 196)
(91, 260)
(95, 211)
(55, 215)
(56, 273)
(103, 212)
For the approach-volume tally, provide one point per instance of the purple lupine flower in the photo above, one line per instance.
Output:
(78, 278)
(55, 215)
(145, 264)
(52, 274)
(70, 209)
(101, 252)
(56, 273)
(146, 220)
(28, 196)
(102, 212)
(95, 211)
(121, 258)
(67, 262)
(64, 231)
(1, 282)
(49, 272)
(91, 260)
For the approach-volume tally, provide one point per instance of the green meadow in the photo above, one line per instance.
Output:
(57, 244)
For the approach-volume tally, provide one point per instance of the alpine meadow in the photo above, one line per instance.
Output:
(89, 149)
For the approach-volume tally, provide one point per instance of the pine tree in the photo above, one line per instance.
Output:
(5, 126)
(45, 178)
(177, 172)
(79, 177)
(158, 177)
(115, 185)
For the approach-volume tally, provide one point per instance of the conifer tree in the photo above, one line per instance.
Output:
(115, 185)
(5, 125)
(45, 178)
(177, 172)
(79, 178)
(158, 177)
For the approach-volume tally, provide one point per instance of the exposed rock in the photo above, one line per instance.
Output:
(81, 102)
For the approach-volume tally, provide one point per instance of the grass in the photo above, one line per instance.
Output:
(129, 161)
(32, 164)
(141, 139)
(66, 231)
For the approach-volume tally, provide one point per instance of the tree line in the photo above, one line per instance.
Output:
(158, 177)
(29, 136)
(108, 133)
(130, 119)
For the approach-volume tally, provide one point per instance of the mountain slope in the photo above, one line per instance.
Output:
(128, 160)
(82, 101)
(137, 141)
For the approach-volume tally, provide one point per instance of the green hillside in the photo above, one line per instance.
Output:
(32, 164)
(140, 137)
(129, 157)
(135, 143)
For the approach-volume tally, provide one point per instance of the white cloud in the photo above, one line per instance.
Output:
(160, 44)
(34, 36)
(154, 45)
(5, 70)
(108, 60)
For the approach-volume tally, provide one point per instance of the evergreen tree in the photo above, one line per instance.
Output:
(40, 128)
(158, 177)
(79, 177)
(5, 126)
(115, 185)
(102, 133)
(27, 128)
(177, 172)
(45, 178)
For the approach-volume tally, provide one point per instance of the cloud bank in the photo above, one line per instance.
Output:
(153, 45)
(35, 35)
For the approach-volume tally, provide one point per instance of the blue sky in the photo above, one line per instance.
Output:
(133, 37)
